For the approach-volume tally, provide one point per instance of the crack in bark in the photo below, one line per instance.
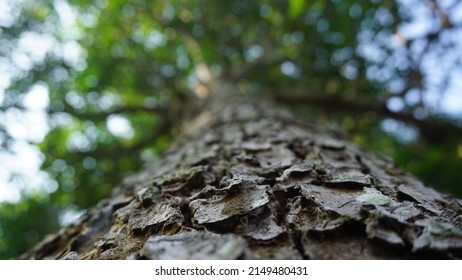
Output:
(297, 240)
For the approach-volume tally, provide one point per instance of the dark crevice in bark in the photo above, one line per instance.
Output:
(296, 237)
(364, 168)
(185, 211)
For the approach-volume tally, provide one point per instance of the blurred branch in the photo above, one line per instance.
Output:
(119, 151)
(432, 129)
(201, 68)
(442, 15)
(97, 115)
(100, 115)
(5, 138)
(3, 108)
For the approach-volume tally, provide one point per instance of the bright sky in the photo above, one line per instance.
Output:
(32, 126)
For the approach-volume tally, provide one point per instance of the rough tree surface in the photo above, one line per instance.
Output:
(247, 180)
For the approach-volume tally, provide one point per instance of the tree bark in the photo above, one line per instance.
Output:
(247, 180)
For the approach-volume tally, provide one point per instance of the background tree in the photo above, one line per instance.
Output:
(117, 75)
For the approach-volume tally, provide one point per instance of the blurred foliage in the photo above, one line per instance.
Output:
(25, 223)
(116, 74)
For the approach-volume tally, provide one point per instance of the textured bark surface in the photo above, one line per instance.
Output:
(247, 180)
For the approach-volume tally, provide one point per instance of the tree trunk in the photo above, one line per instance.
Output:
(247, 180)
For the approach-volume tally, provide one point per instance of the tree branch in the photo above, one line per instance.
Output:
(100, 115)
(120, 151)
(432, 129)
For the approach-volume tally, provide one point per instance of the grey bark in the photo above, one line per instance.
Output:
(247, 180)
